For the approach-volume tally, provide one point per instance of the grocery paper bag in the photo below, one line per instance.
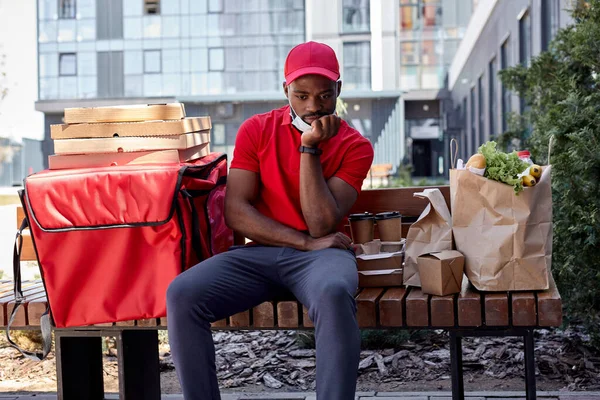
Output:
(431, 233)
(506, 238)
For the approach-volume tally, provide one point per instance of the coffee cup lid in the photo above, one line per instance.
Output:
(388, 215)
(360, 217)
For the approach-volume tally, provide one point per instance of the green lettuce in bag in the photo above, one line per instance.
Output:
(503, 167)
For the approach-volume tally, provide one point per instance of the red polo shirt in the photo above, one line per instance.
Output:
(268, 145)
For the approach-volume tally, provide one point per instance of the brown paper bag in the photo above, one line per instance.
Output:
(431, 233)
(506, 239)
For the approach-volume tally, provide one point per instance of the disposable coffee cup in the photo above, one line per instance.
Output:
(362, 227)
(389, 225)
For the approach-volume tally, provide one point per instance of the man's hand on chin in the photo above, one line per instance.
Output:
(323, 129)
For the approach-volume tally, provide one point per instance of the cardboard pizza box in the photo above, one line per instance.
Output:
(127, 144)
(125, 129)
(131, 113)
(72, 161)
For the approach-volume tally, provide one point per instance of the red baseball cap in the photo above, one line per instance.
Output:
(311, 58)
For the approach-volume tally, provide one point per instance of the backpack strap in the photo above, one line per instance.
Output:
(20, 299)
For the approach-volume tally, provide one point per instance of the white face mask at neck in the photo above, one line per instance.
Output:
(299, 122)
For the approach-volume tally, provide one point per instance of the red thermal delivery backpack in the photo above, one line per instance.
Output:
(110, 240)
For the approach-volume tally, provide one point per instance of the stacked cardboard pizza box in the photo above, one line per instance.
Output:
(128, 135)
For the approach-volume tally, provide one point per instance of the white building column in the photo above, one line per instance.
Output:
(385, 46)
(377, 45)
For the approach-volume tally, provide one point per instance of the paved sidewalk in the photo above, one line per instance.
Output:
(360, 396)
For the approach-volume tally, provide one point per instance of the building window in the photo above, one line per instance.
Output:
(67, 64)
(356, 16)
(420, 14)
(525, 39)
(109, 20)
(357, 65)
(216, 59)
(492, 72)
(215, 6)
(524, 50)
(550, 21)
(218, 134)
(151, 7)
(152, 62)
(67, 9)
(481, 110)
(430, 32)
(506, 95)
(110, 79)
(473, 123)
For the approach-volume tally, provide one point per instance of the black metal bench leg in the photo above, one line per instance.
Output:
(456, 365)
(79, 367)
(529, 365)
(139, 373)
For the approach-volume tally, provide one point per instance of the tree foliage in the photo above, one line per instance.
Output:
(562, 88)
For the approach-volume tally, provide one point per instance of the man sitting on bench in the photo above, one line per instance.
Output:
(295, 174)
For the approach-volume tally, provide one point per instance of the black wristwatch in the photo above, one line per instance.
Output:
(310, 150)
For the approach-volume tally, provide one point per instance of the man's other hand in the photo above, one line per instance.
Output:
(335, 240)
(323, 129)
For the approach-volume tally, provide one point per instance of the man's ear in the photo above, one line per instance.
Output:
(285, 89)
(338, 85)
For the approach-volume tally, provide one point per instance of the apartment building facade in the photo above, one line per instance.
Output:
(501, 34)
(224, 58)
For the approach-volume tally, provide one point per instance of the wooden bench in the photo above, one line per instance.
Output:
(470, 313)
(381, 172)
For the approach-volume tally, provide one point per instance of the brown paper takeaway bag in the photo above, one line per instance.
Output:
(506, 239)
(431, 233)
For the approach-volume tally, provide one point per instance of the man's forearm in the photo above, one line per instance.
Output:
(248, 221)
(319, 207)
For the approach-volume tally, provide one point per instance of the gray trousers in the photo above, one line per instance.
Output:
(325, 281)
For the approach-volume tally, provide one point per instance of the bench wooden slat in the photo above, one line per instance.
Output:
(306, 321)
(222, 323)
(442, 310)
(26, 287)
(30, 289)
(36, 292)
(549, 306)
(35, 308)
(391, 307)
(20, 216)
(241, 319)
(523, 309)
(263, 315)
(147, 322)
(417, 313)
(380, 200)
(469, 306)
(6, 286)
(366, 304)
(163, 321)
(287, 314)
(125, 323)
(28, 251)
(496, 309)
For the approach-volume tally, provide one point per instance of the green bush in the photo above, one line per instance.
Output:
(562, 88)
